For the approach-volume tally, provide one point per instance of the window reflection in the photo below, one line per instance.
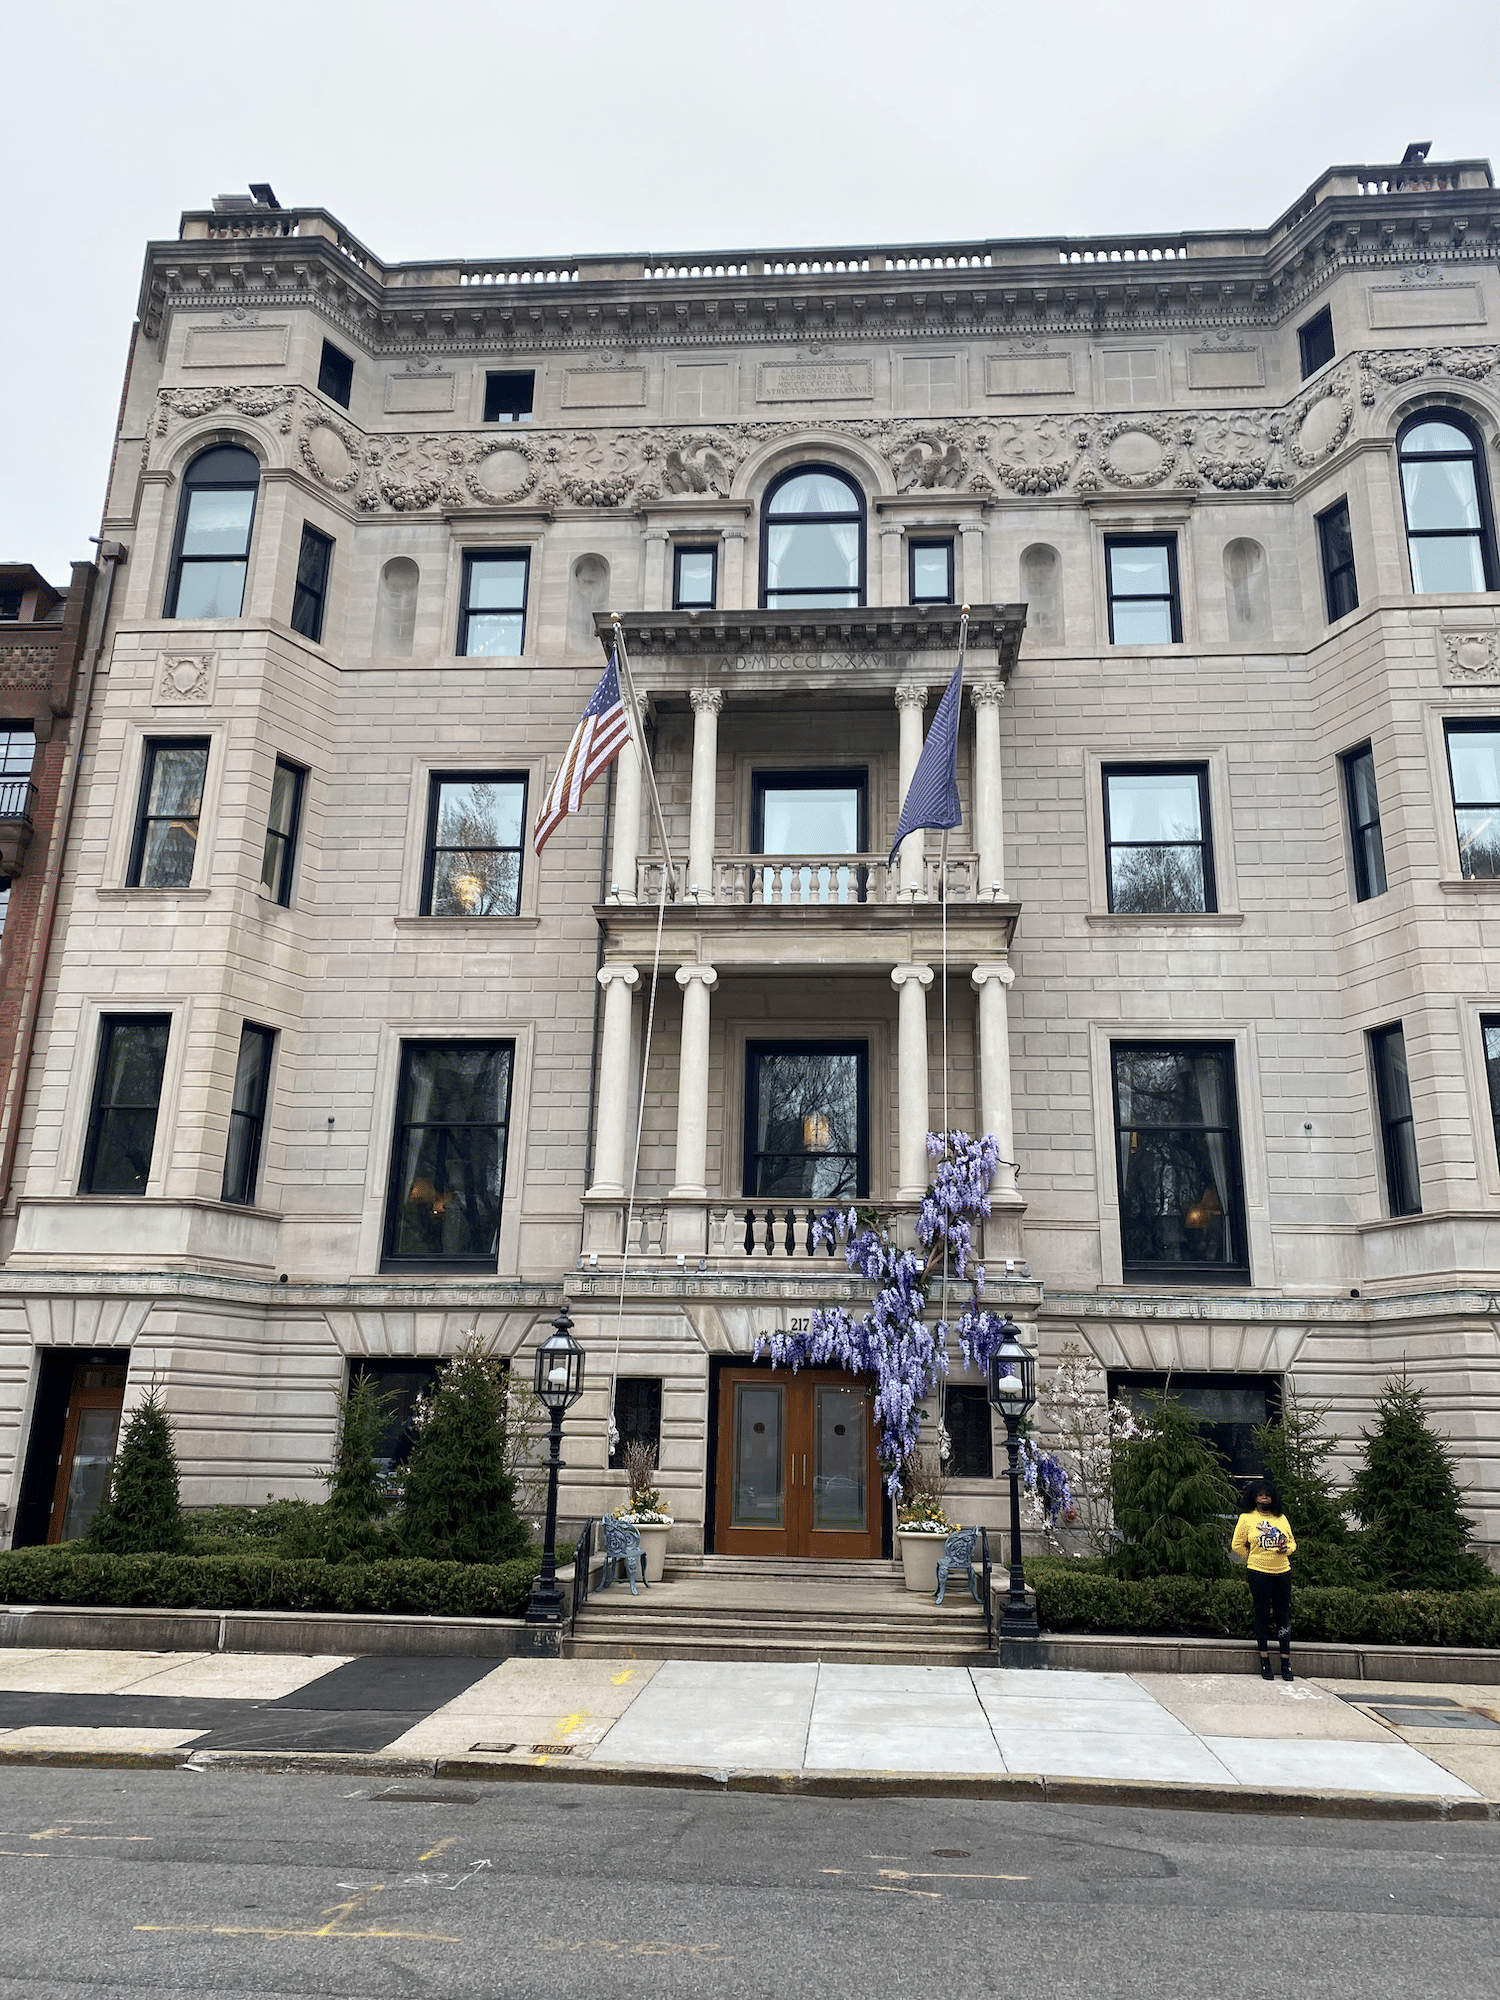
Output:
(813, 542)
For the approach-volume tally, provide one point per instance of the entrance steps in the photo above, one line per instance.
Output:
(744, 1608)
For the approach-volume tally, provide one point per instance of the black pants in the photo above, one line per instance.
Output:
(1272, 1597)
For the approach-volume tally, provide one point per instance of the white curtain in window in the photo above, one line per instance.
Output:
(1208, 1075)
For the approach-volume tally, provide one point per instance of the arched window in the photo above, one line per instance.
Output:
(212, 550)
(812, 541)
(1448, 531)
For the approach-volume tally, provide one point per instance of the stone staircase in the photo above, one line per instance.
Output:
(744, 1608)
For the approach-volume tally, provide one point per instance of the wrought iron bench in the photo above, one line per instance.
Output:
(622, 1544)
(958, 1553)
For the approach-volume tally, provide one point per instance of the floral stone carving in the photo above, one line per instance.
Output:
(1472, 656)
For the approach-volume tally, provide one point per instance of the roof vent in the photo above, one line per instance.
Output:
(1414, 155)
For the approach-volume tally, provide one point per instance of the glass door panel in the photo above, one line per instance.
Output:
(758, 1486)
(840, 1500)
(88, 1475)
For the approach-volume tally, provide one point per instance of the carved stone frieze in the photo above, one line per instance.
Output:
(1406, 364)
(250, 402)
(1472, 656)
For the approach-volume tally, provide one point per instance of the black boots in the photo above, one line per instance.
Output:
(1265, 1667)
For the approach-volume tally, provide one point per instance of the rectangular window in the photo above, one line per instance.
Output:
(1403, 1187)
(1177, 1144)
(1228, 1408)
(1364, 823)
(1336, 550)
(1474, 771)
(1143, 604)
(507, 397)
(10, 606)
(280, 852)
(313, 561)
(694, 579)
(1156, 838)
(475, 824)
(971, 1446)
(403, 1384)
(1315, 340)
(1490, 1024)
(247, 1113)
(931, 579)
(17, 749)
(637, 1415)
(809, 812)
(127, 1094)
(448, 1156)
(166, 829)
(336, 374)
(1132, 375)
(492, 624)
(807, 1120)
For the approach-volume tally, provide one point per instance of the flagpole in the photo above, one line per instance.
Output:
(633, 719)
(963, 640)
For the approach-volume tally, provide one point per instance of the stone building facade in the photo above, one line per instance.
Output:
(332, 1068)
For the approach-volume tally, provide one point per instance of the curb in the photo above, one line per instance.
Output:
(1014, 1788)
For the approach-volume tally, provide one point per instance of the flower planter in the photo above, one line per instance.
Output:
(654, 1547)
(919, 1559)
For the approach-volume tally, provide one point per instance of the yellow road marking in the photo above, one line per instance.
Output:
(63, 1833)
(355, 1902)
(441, 1848)
(945, 1875)
(891, 1889)
(271, 1931)
(24, 1854)
(619, 1680)
(566, 1724)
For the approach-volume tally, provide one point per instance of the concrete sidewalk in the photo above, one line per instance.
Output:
(1221, 1734)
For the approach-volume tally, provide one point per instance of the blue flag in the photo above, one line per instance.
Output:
(932, 796)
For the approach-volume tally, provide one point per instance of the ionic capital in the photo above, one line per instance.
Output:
(1001, 972)
(625, 974)
(707, 701)
(908, 696)
(658, 535)
(686, 974)
(732, 534)
(987, 694)
(921, 974)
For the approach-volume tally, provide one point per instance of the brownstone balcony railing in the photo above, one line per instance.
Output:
(784, 882)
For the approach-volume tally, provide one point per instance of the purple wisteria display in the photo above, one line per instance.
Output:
(890, 1341)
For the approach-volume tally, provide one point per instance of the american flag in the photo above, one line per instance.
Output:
(599, 738)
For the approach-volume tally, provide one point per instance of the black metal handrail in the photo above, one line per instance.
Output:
(583, 1558)
(17, 796)
(989, 1602)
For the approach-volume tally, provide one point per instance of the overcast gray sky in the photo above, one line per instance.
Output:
(457, 128)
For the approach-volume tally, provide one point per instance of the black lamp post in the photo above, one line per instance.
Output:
(559, 1383)
(1013, 1394)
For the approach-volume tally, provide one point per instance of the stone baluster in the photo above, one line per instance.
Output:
(911, 983)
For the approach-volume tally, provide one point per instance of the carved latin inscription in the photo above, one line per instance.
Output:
(817, 382)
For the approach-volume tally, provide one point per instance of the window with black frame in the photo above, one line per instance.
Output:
(127, 1098)
(1336, 551)
(930, 572)
(1474, 772)
(279, 855)
(335, 374)
(1315, 342)
(971, 1442)
(170, 813)
(508, 396)
(1490, 1028)
(1229, 1408)
(475, 824)
(1177, 1147)
(1449, 531)
(402, 1385)
(492, 623)
(1365, 843)
(1156, 839)
(812, 551)
(694, 578)
(807, 1121)
(314, 559)
(637, 1415)
(247, 1113)
(1403, 1183)
(211, 554)
(448, 1156)
(1141, 575)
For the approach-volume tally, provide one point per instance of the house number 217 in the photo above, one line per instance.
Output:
(803, 1325)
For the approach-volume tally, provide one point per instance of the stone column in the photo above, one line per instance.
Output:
(892, 584)
(970, 580)
(991, 981)
(910, 702)
(989, 822)
(613, 1106)
(732, 570)
(700, 876)
(654, 589)
(911, 983)
(689, 1183)
(625, 842)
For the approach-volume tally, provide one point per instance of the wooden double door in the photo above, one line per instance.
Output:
(797, 1473)
(91, 1430)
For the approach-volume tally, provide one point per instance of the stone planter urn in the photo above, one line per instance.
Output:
(654, 1548)
(919, 1558)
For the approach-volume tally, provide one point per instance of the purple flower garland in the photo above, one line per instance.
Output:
(890, 1341)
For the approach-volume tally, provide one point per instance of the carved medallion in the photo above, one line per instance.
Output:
(332, 454)
(1472, 656)
(1137, 453)
(1325, 423)
(500, 473)
(183, 679)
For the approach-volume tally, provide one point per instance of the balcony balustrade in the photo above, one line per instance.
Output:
(754, 1234)
(784, 882)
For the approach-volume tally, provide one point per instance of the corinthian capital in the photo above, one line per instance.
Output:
(707, 701)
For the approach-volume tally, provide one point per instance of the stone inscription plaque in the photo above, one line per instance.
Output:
(1425, 305)
(1226, 368)
(1028, 374)
(235, 347)
(418, 392)
(603, 388)
(814, 382)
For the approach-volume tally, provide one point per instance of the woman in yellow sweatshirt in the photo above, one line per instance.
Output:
(1264, 1538)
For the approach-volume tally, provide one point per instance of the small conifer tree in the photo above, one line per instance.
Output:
(1172, 1499)
(1295, 1452)
(457, 1499)
(356, 1486)
(1408, 1497)
(142, 1512)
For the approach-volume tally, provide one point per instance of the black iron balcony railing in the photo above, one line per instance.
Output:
(17, 797)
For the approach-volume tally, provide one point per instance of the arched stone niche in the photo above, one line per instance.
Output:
(1041, 590)
(588, 592)
(396, 608)
(1247, 590)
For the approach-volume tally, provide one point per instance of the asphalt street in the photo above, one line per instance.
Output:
(165, 1883)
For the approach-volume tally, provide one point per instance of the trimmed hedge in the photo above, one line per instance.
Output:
(1070, 1598)
(261, 1583)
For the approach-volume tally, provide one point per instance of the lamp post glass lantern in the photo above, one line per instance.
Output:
(559, 1383)
(1013, 1394)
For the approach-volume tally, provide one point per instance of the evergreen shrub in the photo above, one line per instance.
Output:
(1173, 1502)
(1407, 1495)
(142, 1511)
